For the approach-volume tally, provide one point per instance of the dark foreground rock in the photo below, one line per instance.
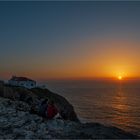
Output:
(35, 96)
(16, 122)
(66, 110)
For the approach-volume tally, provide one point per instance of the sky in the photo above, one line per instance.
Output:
(67, 39)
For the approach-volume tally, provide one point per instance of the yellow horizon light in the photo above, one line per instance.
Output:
(120, 77)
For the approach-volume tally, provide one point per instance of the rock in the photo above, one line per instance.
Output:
(34, 96)
(1, 88)
(1, 82)
(66, 110)
(20, 124)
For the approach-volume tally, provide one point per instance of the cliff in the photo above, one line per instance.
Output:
(34, 97)
(16, 122)
(19, 121)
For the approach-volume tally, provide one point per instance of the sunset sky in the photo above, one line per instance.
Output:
(48, 40)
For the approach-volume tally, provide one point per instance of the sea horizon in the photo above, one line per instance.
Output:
(103, 101)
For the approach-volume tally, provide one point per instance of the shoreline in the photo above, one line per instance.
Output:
(89, 110)
(16, 121)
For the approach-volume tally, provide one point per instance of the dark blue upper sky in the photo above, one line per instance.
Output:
(39, 36)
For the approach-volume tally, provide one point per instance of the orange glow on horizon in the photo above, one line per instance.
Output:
(112, 58)
(120, 77)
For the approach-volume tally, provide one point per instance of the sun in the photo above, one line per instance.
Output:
(120, 77)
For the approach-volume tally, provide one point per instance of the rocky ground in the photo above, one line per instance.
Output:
(35, 96)
(16, 122)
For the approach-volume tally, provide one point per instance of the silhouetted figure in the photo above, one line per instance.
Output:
(43, 107)
(64, 114)
(51, 110)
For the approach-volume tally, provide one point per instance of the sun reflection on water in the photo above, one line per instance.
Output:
(122, 110)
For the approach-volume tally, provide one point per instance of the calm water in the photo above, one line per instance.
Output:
(110, 103)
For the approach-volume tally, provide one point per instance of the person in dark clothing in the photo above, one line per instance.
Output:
(51, 110)
(43, 107)
(64, 114)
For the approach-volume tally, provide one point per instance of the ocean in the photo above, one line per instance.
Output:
(107, 102)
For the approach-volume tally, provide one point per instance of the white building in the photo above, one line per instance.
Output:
(22, 81)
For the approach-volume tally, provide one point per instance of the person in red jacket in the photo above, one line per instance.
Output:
(51, 110)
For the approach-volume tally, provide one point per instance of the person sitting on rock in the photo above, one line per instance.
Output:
(43, 107)
(51, 111)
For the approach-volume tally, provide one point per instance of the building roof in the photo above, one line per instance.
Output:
(14, 78)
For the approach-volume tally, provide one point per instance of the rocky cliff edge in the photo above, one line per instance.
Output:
(17, 121)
